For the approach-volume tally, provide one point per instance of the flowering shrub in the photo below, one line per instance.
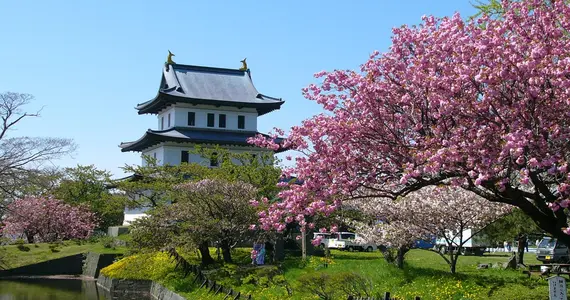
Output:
(153, 266)
(48, 220)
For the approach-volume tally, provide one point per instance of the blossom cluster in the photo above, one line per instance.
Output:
(48, 220)
(427, 213)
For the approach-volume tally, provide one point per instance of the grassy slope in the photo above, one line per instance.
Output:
(40, 252)
(425, 275)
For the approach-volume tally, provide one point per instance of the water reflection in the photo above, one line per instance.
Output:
(51, 289)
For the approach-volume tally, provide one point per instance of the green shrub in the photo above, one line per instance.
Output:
(153, 266)
(19, 242)
(337, 285)
(54, 247)
(279, 280)
(263, 281)
(23, 248)
(107, 241)
(249, 279)
(320, 284)
(4, 241)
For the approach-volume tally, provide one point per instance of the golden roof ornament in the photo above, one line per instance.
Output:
(243, 65)
(169, 60)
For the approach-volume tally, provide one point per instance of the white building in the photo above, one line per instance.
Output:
(200, 105)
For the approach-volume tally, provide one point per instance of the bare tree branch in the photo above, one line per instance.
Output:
(22, 157)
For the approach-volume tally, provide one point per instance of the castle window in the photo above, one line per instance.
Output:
(214, 160)
(168, 120)
(191, 118)
(210, 120)
(222, 121)
(241, 122)
(161, 123)
(184, 156)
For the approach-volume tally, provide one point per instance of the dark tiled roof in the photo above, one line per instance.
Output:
(190, 135)
(207, 85)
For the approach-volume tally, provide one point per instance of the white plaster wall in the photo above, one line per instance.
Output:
(150, 152)
(132, 214)
(180, 116)
(169, 110)
(172, 154)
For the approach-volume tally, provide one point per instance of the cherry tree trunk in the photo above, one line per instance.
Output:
(453, 261)
(522, 240)
(400, 257)
(205, 253)
(226, 252)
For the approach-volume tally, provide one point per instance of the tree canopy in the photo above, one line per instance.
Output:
(23, 158)
(444, 212)
(480, 104)
(87, 185)
(208, 205)
(48, 220)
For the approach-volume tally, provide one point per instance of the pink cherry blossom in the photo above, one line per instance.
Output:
(483, 103)
(48, 220)
(317, 241)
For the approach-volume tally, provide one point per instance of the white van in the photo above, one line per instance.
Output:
(347, 241)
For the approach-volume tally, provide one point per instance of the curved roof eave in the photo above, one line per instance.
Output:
(162, 100)
(153, 137)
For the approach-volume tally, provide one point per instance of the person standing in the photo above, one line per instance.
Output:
(261, 254)
(505, 246)
(255, 252)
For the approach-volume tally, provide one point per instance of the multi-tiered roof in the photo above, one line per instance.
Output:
(207, 85)
(198, 85)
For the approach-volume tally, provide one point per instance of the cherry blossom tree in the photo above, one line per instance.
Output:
(48, 220)
(396, 237)
(481, 103)
(444, 212)
(215, 210)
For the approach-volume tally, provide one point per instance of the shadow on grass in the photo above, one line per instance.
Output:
(493, 255)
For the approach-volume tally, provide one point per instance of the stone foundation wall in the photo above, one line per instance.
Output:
(94, 262)
(159, 292)
(136, 289)
(125, 289)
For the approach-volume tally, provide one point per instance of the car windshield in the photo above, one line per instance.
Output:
(547, 243)
(347, 236)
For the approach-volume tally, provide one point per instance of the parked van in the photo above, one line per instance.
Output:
(347, 241)
(472, 244)
(550, 250)
(325, 238)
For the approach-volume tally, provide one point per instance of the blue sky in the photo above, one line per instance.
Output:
(88, 63)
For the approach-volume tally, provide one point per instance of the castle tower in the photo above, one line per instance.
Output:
(201, 105)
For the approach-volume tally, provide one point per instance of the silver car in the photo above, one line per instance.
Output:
(550, 250)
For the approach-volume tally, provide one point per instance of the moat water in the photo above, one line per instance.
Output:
(51, 289)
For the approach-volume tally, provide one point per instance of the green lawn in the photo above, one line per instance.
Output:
(425, 275)
(14, 257)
